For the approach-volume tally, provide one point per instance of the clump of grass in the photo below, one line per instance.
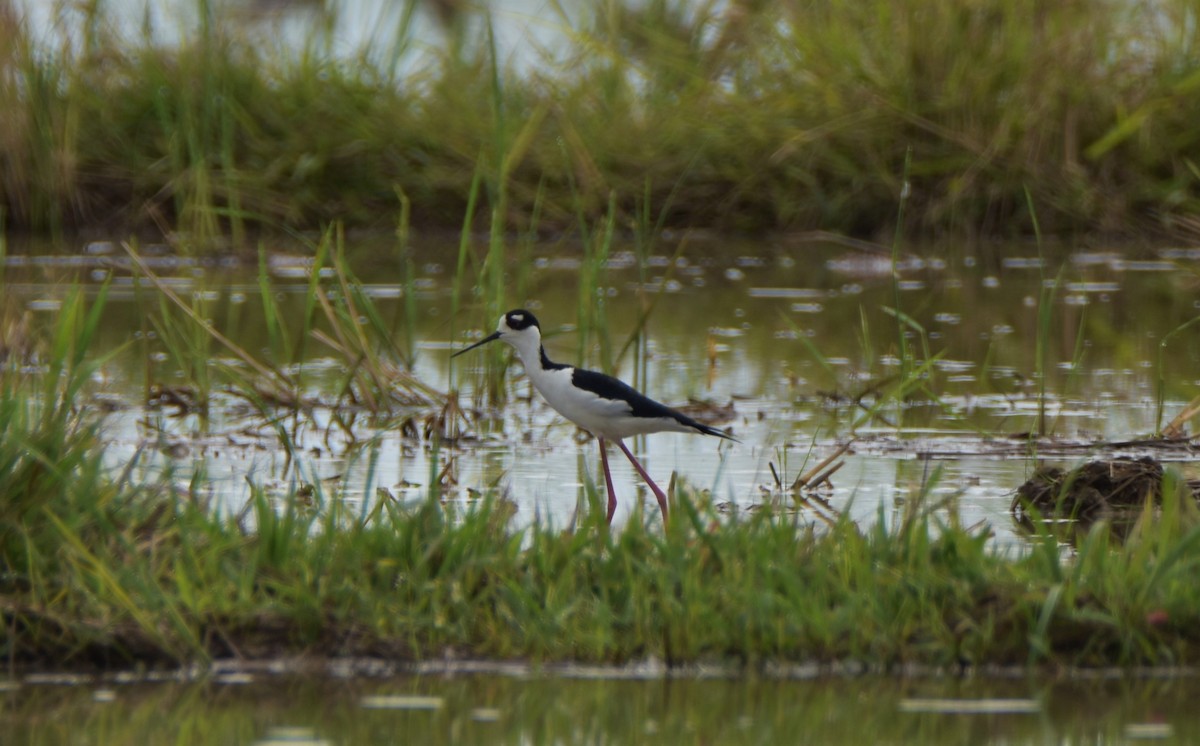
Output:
(412, 583)
(270, 390)
(63, 513)
(1175, 428)
(337, 314)
(43, 425)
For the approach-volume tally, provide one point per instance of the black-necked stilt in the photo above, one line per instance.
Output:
(604, 406)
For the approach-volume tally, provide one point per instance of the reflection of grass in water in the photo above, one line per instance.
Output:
(373, 386)
(338, 314)
(594, 705)
(888, 398)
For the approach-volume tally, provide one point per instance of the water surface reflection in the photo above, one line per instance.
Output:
(799, 344)
(528, 707)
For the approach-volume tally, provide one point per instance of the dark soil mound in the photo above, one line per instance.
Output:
(1094, 490)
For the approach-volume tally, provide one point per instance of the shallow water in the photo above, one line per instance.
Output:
(606, 706)
(786, 335)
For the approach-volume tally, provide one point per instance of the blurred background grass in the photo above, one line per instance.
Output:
(745, 116)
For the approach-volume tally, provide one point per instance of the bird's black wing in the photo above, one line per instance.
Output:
(640, 405)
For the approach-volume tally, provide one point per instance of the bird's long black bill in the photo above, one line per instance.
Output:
(489, 338)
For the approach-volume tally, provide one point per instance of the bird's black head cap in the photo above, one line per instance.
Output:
(520, 319)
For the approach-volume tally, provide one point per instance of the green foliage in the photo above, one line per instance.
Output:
(48, 445)
(103, 571)
(99, 569)
(763, 116)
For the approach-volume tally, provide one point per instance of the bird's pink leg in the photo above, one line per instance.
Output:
(612, 495)
(658, 493)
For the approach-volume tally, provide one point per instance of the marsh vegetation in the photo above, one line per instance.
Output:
(233, 441)
(741, 116)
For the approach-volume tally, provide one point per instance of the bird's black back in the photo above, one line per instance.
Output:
(614, 389)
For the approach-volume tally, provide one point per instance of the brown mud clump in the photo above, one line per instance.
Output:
(1095, 490)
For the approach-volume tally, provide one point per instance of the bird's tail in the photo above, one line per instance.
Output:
(708, 430)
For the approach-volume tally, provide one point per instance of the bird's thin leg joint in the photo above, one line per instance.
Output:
(658, 493)
(612, 495)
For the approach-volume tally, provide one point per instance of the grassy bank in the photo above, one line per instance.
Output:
(100, 572)
(788, 116)
(98, 568)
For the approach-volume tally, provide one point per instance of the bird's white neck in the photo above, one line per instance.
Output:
(529, 349)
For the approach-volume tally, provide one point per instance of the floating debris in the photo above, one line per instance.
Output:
(971, 706)
(57, 679)
(787, 293)
(485, 714)
(292, 736)
(1140, 731)
(402, 702)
